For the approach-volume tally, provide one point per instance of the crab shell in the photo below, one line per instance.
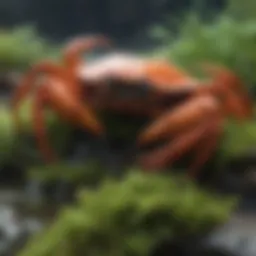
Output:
(127, 83)
(162, 75)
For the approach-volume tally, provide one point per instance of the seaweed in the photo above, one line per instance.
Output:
(22, 46)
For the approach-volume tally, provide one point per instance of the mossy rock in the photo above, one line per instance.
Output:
(130, 217)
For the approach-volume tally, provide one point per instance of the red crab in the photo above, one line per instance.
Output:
(186, 112)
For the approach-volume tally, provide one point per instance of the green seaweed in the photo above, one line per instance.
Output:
(21, 47)
(239, 138)
(78, 174)
(130, 217)
(241, 10)
(224, 40)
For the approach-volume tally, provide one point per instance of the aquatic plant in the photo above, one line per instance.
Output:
(77, 174)
(224, 40)
(131, 217)
(22, 46)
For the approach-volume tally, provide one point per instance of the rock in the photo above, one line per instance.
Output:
(34, 191)
(243, 162)
(14, 232)
(8, 82)
(237, 237)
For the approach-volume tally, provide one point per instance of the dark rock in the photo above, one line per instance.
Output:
(64, 192)
(34, 191)
(243, 162)
(8, 82)
(12, 174)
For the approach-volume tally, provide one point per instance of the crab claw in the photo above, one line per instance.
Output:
(72, 108)
(60, 94)
(232, 92)
(27, 85)
(76, 47)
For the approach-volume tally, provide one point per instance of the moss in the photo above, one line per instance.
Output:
(74, 173)
(241, 10)
(7, 134)
(21, 47)
(239, 138)
(130, 217)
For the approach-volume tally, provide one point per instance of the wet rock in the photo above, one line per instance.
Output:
(243, 162)
(241, 184)
(11, 196)
(14, 231)
(248, 202)
(8, 82)
(237, 237)
(186, 246)
(12, 175)
(250, 181)
(64, 192)
(166, 248)
(58, 192)
(34, 191)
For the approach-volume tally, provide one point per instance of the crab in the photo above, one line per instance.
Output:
(186, 113)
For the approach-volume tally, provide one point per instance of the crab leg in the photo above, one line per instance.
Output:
(61, 92)
(233, 93)
(75, 48)
(54, 94)
(175, 120)
(71, 108)
(206, 147)
(173, 150)
(73, 55)
(188, 135)
(40, 127)
(28, 83)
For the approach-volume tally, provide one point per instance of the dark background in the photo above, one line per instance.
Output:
(125, 21)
